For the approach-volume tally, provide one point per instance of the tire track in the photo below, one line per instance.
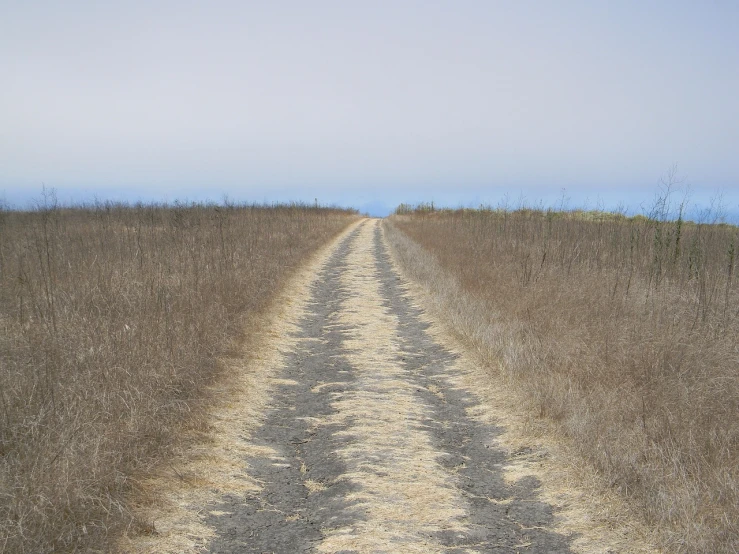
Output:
(377, 447)
(405, 495)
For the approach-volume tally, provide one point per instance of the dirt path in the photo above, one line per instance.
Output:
(369, 442)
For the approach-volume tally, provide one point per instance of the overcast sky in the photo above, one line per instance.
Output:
(372, 102)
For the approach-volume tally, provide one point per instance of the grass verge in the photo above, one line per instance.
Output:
(114, 321)
(622, 332)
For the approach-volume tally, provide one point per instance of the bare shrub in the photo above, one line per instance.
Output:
(622, 330)
(112, 322)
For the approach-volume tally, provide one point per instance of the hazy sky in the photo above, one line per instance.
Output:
(367, 102)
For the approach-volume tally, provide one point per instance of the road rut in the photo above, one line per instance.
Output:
(373, 445)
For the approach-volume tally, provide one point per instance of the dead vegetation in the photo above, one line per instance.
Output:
(621, 330)
(113, 321)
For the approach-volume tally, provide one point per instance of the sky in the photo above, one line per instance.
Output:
(370, 104)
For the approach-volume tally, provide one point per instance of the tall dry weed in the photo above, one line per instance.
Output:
(112, 322)
(622, 330)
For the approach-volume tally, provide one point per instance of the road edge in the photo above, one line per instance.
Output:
(174, 506)
(598, 520)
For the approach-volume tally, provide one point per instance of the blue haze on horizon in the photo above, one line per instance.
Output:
(370, 104)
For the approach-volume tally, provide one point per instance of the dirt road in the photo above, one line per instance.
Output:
(369, 442)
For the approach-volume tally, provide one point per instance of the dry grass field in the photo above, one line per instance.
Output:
(113, 321)
(623, 331)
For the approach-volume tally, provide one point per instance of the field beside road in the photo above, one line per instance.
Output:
(623, 332)
(115, 322)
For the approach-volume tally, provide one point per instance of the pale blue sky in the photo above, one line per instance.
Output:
(377, 102)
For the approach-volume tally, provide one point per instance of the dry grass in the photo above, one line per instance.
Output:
(594, 517)
(621, 331)
(208, 467)
(113, 322)
(402, 492)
